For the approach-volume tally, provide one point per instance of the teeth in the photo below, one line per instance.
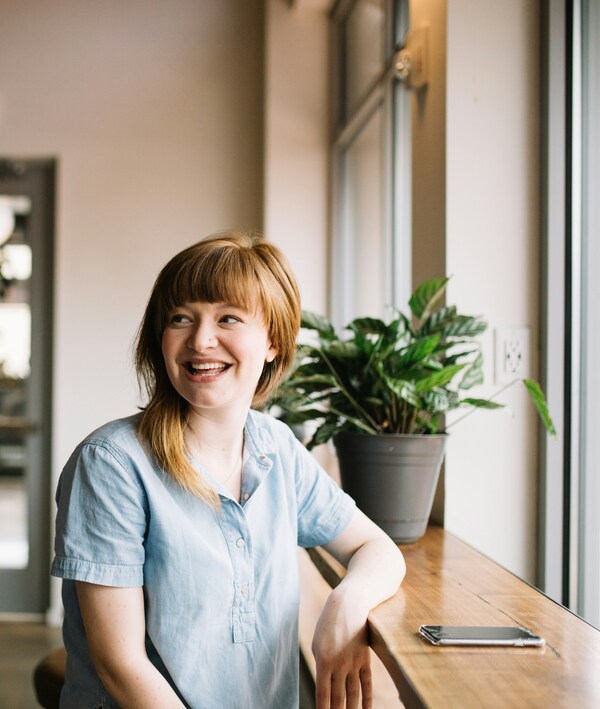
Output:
(211, 365)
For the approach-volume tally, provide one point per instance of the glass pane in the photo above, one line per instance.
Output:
(401, 22)
(364, 50)
(363, 201)
(589, 601)
(15, 356)
(14, 547)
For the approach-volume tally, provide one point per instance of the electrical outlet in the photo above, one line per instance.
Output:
(513, 354)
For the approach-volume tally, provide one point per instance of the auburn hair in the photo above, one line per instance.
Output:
(238, 268)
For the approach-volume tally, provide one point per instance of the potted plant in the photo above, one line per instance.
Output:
(381, 392)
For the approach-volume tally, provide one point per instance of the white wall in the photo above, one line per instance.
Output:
(296, 141)
(492, 243)
(154, 111)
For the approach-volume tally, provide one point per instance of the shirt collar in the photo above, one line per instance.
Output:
(258, 440)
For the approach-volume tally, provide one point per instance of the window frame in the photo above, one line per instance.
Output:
(569, 530)
(391, 97)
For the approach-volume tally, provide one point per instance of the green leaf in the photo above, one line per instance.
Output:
(439, 378)
(314, 382)
(453, 399)
(434, 364)
(325, 432)
(481, 403)
(455, 356)
(427, 296)
(403, 390)
(464, 326)
(407, 324)
(342, 350)
(437, 401)
(539, 401)
(425, 425)
(313, 379)
(418, 350)
(367, 326)
(396, 331)
(356, 423)
(312, 321)
(438, 320)
(474, 374)
(294, 417)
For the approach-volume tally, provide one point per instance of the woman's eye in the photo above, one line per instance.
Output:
(229, 319)
(179, 319)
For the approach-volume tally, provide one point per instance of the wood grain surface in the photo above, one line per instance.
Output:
(450, 583)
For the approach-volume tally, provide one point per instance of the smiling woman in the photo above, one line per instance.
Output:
(177, 528)
(249, 275)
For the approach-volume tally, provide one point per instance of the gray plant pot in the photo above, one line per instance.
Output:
(392, 478)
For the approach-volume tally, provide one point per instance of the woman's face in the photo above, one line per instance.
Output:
(214, 354)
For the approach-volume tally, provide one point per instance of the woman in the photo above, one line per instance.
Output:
(177, 527)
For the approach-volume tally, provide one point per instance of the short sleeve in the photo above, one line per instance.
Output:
(324, 510)
(101, 519)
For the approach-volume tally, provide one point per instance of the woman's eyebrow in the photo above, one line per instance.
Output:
(246, 308)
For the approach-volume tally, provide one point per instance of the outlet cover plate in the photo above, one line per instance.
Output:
(513, 354)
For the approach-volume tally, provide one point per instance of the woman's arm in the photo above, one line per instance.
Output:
(115, 629)
(375, 569)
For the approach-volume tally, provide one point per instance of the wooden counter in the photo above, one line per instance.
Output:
(450, 583)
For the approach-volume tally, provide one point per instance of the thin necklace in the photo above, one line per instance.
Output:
(235, 467)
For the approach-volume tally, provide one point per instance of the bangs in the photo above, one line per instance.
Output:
(235, 268)
(215, 276)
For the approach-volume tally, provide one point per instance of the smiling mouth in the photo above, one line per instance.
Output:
(211, 369)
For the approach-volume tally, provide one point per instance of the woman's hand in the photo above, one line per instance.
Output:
(342, 655)
(340, 645)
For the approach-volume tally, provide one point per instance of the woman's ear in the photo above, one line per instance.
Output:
(271, 354)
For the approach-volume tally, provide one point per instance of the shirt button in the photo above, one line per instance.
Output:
(262, 457)
(246, 495)
(240, 543)
(244, 589)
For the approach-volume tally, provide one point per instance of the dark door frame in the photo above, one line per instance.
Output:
(27, 590)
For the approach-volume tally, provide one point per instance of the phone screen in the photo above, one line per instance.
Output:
(479, 635)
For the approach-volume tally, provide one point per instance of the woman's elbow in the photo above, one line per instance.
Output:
(115, 673)
(397, 564)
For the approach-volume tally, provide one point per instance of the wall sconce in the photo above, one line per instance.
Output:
(7, 221)
(9, 207)
(411, 62)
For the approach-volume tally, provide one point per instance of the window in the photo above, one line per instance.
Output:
(371, 161)
(586, 132)
(570, 530)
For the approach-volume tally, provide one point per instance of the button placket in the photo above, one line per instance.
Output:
(243, 569)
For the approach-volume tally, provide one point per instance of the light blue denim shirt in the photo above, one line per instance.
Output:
(221, 588)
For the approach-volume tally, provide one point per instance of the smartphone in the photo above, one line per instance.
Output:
(480, 635)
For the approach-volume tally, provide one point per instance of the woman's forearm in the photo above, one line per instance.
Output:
(375, 568)
(138, 685)
(375, 572)
(115, 628)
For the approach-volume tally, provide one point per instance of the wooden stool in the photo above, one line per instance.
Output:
(49, 677)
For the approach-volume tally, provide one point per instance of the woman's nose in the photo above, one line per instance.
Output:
(202, 337)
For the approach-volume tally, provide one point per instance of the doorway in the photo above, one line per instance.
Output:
(27, 195)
